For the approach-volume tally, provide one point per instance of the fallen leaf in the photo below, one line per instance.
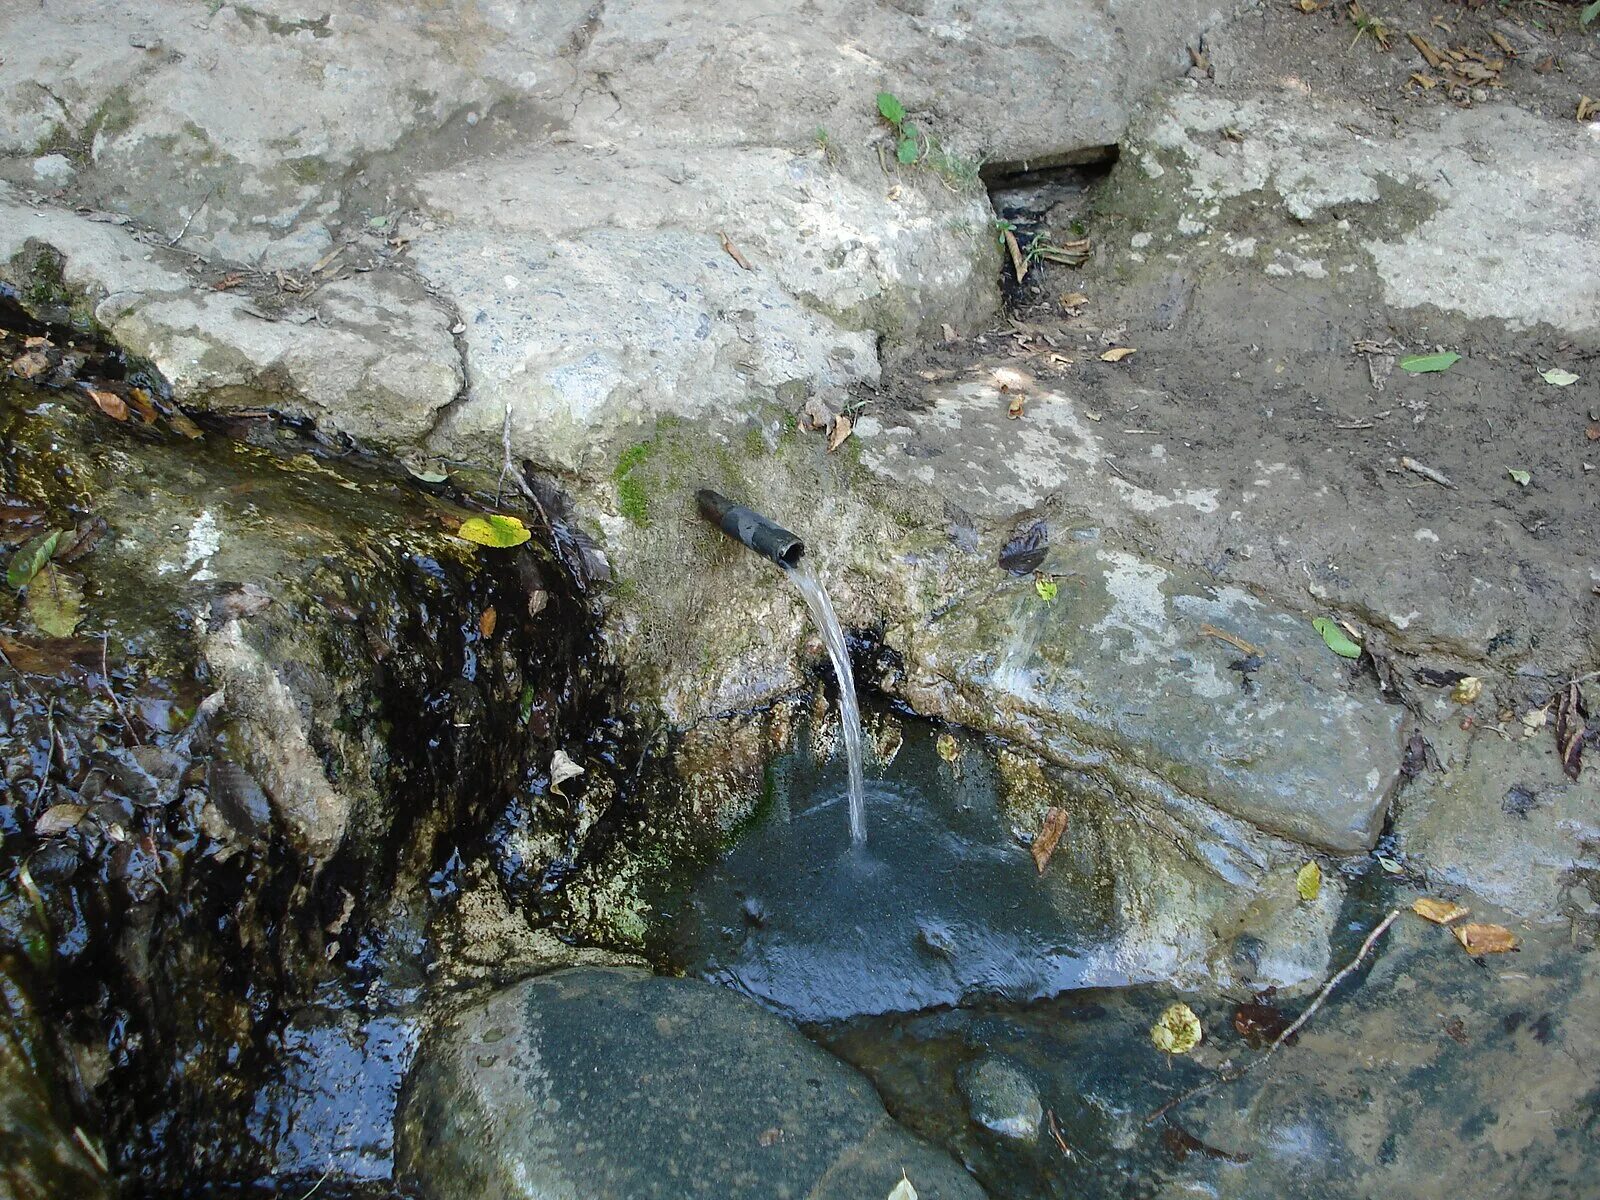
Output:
(1390, 865)
(1308, 881)
(494, 531)
(30, 365)
(1522, 478)
(59, 818)
(841, 431)
(1308, 6)
(81, 540)
(486, 622)
(55, 602)
(1050, 831)
(1587, 107)
(1424, 81)
(1014, 409)
(1177, 1031)
(903, 1190)
(1019, 264)
(1423, 364)
(1440, 912)
(231, 280)
(1485, 939)
(1260, 1024)
(1467, 690)
(1335, 638)
(949, 332)
(110, 403)
(562, 768)
(1026, 551)
(31, 558)
(139, 401)
(947, 746)
(1571, 729)
(1073, 301)
(1557, 377)
(1048, 589)
(1425, 48)
(1117, 355)
(180, 421)
(1499, 39)
(733, 253)
(1180, 1143)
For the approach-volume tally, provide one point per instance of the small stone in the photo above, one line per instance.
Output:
(54, 169)
(1002, 1099)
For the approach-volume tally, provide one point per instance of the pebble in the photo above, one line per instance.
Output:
(1002, 1099)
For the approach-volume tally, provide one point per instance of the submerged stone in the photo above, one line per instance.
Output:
(1002, 1099)
(607, 1082)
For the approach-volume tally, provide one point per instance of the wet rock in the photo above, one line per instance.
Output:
(603, 1082)
(1002, 1099)
(1123, 675)
(1504, 822)
(47, 1151)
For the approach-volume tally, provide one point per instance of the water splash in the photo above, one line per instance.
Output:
(816, 598)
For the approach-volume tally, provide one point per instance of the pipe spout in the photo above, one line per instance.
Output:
(758, 533)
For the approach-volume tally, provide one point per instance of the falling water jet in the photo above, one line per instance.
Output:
(770, 540)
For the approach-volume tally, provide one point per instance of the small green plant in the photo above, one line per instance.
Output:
(907, 137)
(1589, 13)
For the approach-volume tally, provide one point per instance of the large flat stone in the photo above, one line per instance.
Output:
(610, 1082)
(1123, 672)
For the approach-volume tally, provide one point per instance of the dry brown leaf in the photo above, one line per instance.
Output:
(1571, 729)
(110, 403)
(1014, 409)
(1019, 264)
(841, 430)
(1423, 81)
(1073, 301)
(733, 253)
(139, 401)
(1587, 107)
(30, 365)
(1440, 912)
(1307, 6)
(1050, 831)
(231, 280)
(949, 332)
(1117, 355)
(1425, 48)
(487, 621)
(1499, 39)
(1485, 939)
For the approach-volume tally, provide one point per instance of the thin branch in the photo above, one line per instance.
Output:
(204, 200)
(105, 673)
(1212, 1085)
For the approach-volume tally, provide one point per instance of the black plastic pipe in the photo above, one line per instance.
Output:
(760, 534)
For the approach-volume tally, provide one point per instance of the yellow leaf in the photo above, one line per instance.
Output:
(1308, 882)
(1485, 939)
(1117, 355)
(946, 745)
(1177, 1031)
(1014, 409)
(1467, 690)
(494, 531)
(1440, 912)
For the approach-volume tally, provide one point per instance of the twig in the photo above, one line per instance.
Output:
(204, 200)
(319, 1182)
(509, 468)
(1238, 643)
(1426, 471)
(105, 673)
(1212, 1085)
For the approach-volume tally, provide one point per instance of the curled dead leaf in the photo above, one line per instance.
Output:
(1485, 939)
(486, 622)
(1467, 690)
(30, 365)
(113, 405)
(947, 746)
(1588, 107)
(1440, 912)
(562, 768)
(1050, 831)
(1118, 354)
(1014, 409)
(841, 431)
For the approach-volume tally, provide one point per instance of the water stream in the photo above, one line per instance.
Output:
(816, 597)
